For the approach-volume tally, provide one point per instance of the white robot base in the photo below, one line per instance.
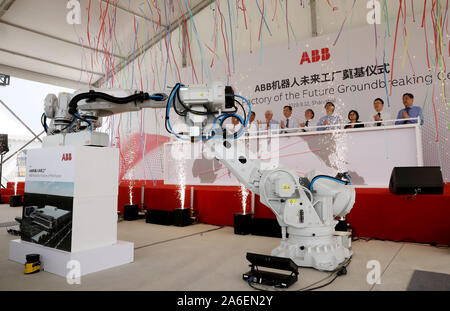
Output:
(324, 253)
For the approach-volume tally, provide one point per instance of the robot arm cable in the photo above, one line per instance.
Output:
(326, 177)
(83, 119)
(93, 95)
(44, 122)
(169, 103)
(175, 101)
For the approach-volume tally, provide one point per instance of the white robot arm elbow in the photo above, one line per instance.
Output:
(343, 195)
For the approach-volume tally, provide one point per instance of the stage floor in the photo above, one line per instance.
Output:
(206, 257)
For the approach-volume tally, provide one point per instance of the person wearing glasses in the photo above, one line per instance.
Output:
(309, 115)
(290, 122)
(381, 115)
(409, 111)
(269, 123)
(354, 123)
(330, 120)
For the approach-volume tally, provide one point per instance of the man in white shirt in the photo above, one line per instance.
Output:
(269, 124)
(330, 121)
(309, 115)
(380, 116)
(290, 122)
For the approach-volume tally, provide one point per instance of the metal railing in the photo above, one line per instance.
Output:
(331, 127)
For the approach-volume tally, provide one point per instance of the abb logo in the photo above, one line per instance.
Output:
(67, 157)
(316, 55)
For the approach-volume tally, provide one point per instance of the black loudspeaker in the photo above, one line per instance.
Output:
(416, 180)
(131, 212)
(242, 223)
(266, 227)
(159, 217)
(15, 200)
(182, 217)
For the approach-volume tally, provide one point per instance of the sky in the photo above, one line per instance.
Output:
(26, 99)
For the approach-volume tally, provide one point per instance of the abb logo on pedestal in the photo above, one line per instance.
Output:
(316, 55)
(67, 157)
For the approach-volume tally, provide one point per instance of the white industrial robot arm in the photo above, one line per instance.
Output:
(83, 110)
(305, 208)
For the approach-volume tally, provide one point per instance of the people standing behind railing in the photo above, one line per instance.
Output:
(330, 120)
(381, 114)
(290, 122)
(353, 116)
(409, 111)
(309, 115)
(268, 124)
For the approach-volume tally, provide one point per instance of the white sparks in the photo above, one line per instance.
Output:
(244, 195)
(181, 174)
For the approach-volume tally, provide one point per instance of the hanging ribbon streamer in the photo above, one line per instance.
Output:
(395, 45)
(224, 43)
(342, 26)
(205, 68)
(231, 34)
(385, 80)
(387, 17)
(287, 29)
(263, 18)
(435, 116)
(376, 36)
(406, 48)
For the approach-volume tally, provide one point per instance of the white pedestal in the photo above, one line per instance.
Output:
(71, 192)
(92, 260)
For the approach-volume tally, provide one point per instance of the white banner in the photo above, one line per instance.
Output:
(351, 73)
(51, 171)
(55, 164)
(351, 70)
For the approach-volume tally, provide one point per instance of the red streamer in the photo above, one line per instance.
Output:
(395, 45)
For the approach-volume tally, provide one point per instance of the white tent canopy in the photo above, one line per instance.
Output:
(38, 43)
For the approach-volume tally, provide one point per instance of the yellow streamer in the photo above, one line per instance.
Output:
(406, 48)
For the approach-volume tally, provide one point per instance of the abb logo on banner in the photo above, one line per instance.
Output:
(316, 55)
(67, 157)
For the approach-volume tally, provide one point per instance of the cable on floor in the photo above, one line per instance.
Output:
(179, 238)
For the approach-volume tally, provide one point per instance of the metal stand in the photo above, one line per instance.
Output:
(257, 276)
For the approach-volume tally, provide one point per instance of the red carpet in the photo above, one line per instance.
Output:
(380, 214)
(377, 213)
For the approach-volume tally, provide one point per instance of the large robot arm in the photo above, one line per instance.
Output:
(84, 109)
(75, 112)
(305, 208)
(107, 102)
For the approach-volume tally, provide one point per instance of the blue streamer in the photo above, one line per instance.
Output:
(385, 80)
(197, 39)
(264, 17)
(231, 31)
